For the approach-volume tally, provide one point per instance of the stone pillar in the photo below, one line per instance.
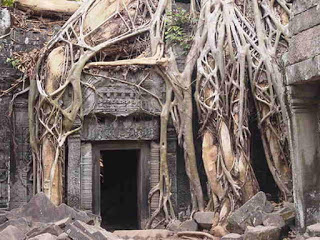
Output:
(305, 154)
(73, 171)
(86, 177)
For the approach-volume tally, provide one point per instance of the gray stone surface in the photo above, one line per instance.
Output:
(262, 233)
(51, 229)
(5, 21)
(305, 20)
(303, 5)
(174, 225)
(44, 236)
(189, 225)
(314, 230)
(63, 236)
(232, 236)
(11, 233)
(144, 234)
(304, 45)
(313, 238)
(84, 231)
(21, 223)
(41, 209)
(305, 71)
(204, 219)
(274, 220)
(250, 214)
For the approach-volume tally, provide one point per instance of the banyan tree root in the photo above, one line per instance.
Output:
(85, 39)
(48, 8)
(229, 64)
(231, 55)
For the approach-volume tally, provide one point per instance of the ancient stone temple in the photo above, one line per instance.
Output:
(121, 127)
(303, 72)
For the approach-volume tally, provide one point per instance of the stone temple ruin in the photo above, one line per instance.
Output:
(120, 129)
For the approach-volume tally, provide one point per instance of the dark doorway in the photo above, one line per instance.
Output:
(118, 178)
(260, 165)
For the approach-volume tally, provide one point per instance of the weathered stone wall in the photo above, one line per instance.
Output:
(15, 153)
(303, 85)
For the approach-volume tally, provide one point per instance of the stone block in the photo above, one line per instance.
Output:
(307, 70)
(250, 214)
(274, 220)
(21, 223)
(304, 45)
(174, 225)
(89, 232)
(189, 225)
(305, 20)
(63, 236)
(143, 234)
(51, 228)
(62, 223)
(314, 230)
(75, 233)
(204, 219)
(303, 5)
(313, 238)
(232, 236)
(262, 233)
(11, 233)
(44, 236)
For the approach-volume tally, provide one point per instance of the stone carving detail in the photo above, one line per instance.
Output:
(86, 176)
(120, 99)
(21, 180)
(128, 128)
(73, 181)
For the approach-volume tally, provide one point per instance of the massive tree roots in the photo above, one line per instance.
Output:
(236, 53)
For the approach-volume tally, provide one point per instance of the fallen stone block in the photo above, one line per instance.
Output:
(62, 223)
(44, 236)
(143, 234)
(21, 223)
(313, 230)
(63, 236)
(51, 228)
(11, 233)
(75, 233)
(274, 220)
(262, 233)
(41, 209)
(189, 225)
(250, 214)
(232, 236)
(174, 225)
(204, 219)
(89, 232)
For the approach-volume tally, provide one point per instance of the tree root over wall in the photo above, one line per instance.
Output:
(235, 52)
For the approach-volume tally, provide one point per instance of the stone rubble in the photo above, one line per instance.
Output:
(40, 219)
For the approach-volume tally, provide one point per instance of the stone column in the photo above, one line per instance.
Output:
(73, 171)
(86, 176)
(305, 154)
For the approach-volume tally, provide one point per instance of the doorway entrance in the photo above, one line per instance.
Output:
(121, 183)
(118, 181)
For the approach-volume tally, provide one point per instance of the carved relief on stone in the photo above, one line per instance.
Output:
(123, 92)
(129, 128)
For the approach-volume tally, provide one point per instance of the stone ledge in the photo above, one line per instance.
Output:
(304, 45)
(307, 70)
(303, 5)
(305, 20)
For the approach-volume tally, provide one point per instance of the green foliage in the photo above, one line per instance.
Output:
(7, 3)
(14, 62)
(179, 29)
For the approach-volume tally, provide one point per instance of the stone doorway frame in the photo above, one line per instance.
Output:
(142, 175)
